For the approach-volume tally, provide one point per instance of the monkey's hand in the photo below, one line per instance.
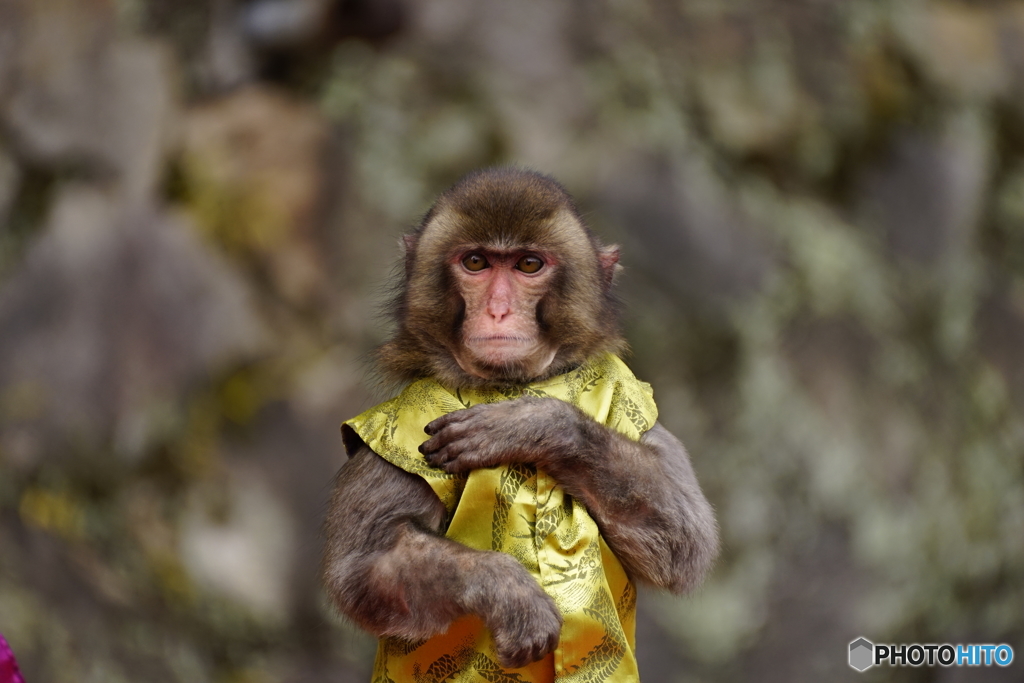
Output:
(522, 618)
(643, 494)
(523, 430)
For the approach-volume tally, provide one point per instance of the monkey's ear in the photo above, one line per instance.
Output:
(608, 258)
(409, 243)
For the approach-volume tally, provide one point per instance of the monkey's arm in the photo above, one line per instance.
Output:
(643, 495)
(386, 567)
(646, 499)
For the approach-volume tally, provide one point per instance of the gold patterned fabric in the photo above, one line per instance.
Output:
(521, 511)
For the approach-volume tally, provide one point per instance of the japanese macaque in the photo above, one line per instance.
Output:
(495, 515)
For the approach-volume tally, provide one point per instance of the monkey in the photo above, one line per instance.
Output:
(493, 518)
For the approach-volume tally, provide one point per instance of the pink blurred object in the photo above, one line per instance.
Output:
(9, 672)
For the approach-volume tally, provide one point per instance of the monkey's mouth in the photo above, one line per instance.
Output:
(500, 348)
(500, 338)
(504, 357)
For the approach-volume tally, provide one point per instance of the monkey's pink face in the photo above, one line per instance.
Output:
(500, 332)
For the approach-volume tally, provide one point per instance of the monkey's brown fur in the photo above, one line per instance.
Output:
(505, 208)
(386, 565)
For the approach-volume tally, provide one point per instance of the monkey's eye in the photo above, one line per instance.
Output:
(474, 262)
(529, 264)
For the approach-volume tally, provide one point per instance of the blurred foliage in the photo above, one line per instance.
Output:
(821, 207)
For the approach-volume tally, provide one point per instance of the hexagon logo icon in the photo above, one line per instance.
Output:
(862, 654)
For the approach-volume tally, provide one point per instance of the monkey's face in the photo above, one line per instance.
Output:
(501, 291)
(504, 285)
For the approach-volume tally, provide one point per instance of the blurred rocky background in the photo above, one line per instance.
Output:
(821, 205)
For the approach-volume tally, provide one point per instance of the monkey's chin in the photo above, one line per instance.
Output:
(506, 360)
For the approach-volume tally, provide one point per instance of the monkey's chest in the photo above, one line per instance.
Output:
(522, 512)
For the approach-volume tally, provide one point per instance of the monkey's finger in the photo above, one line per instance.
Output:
(451, 418)
(442, 438)
(551, 644)
(459, 463)
(436, 458)
(524, 655)
(436, 426)
(444, 456)
(456, 466)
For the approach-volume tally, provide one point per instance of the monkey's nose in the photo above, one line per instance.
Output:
(498, 309)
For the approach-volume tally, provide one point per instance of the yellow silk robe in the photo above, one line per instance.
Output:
(521, 511)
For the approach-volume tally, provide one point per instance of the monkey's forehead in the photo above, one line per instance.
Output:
(560, 231)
